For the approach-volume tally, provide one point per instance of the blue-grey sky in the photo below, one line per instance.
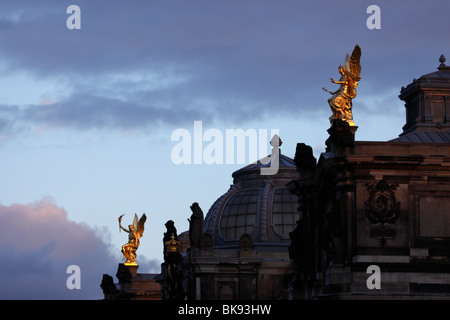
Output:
(86, 116)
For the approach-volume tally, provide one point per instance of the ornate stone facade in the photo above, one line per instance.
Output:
(379, 203)
(312, 230)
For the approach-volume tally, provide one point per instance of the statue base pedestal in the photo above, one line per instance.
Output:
(342, 136)
(135, 286)
(126, 272)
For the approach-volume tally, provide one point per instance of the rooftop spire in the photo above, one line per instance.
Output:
(442, 60)
(274, 140)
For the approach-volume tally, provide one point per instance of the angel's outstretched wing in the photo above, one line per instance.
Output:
(140, 225)
(347, 63)
(135, 222)
(355, 66)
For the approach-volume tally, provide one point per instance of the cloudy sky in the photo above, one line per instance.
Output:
(86, 116)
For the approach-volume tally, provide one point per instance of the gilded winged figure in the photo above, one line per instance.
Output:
(135, 232)
(341, 99)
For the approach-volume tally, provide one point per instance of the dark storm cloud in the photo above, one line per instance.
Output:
(239, 60)
(87, 111)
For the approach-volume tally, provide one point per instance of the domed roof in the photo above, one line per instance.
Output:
(259, 205)
(436, 80)
(426, 112)
(442, 75)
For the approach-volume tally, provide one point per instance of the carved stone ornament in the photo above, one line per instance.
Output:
(382, 206)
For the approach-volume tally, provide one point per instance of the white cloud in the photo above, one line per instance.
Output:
(37, 244)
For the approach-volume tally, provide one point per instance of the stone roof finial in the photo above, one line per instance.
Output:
(442, 60)
(274, 140)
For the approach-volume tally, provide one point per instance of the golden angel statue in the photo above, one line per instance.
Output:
(341, 101)
(135, 232)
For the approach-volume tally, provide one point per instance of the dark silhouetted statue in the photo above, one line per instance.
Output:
(196, 225)
(172, 262)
